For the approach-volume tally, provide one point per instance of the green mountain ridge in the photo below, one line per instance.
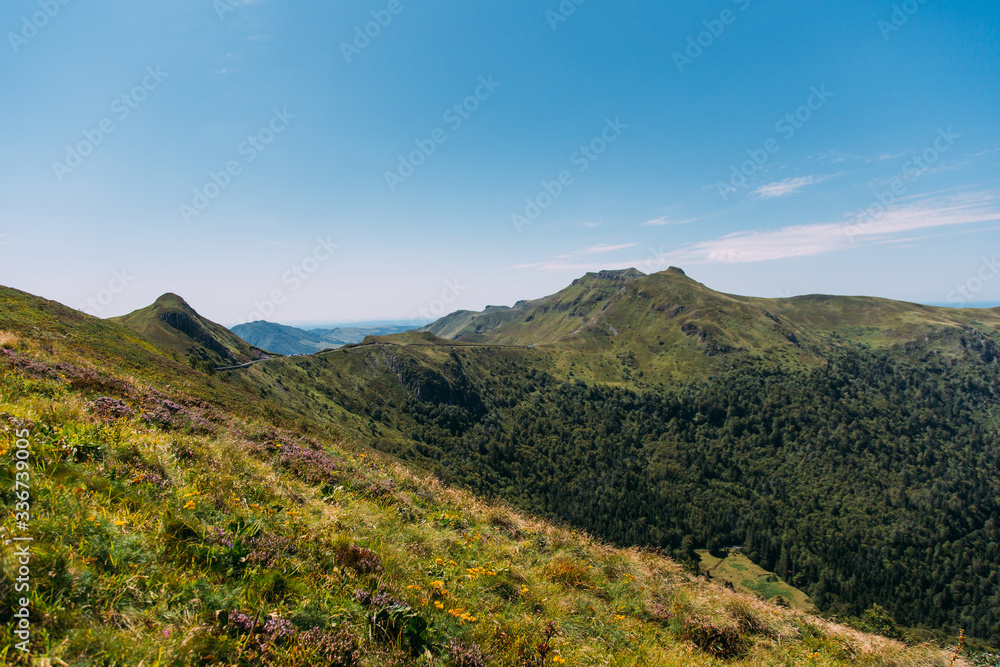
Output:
(568, 311)
(180, 518)
(828, 436)
(670, 323)
(833, 438)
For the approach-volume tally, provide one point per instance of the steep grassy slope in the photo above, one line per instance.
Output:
(173, 324)
(67, 336)
(171, 530)
(845, 442)
(745, 575)
(865, 480)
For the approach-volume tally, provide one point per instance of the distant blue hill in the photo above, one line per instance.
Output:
(283, 339)
(981, 304)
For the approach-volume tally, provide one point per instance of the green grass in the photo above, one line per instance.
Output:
(745, 576)
(152, 541)
(185, 522)
(664, 329)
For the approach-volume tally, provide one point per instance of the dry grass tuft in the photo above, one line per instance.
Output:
(713, 636)
(8, 340)
(504, 519)
(752, 618)
(565, 570)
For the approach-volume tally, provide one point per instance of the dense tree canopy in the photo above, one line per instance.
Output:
(868, 480)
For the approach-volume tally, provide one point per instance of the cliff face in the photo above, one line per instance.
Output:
(190, 327)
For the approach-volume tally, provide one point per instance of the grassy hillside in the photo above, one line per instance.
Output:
(173, 324)
(66, 336)
(849, 477)
(845, 442)
(746, 576)
(172, 530)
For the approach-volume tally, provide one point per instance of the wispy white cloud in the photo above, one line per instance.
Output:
(592, 224)
(600, 248)
(660, 222)
(836, 157)
(757, 246)
(897, 224)
(788, 186)
(965, 161)
(957, 209)
(804, 240)
(597, 249)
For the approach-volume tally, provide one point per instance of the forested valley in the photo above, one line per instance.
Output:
(866, 480)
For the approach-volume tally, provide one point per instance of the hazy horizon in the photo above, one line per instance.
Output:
(320, 324)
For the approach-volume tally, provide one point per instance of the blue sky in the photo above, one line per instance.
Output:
(266, 158)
